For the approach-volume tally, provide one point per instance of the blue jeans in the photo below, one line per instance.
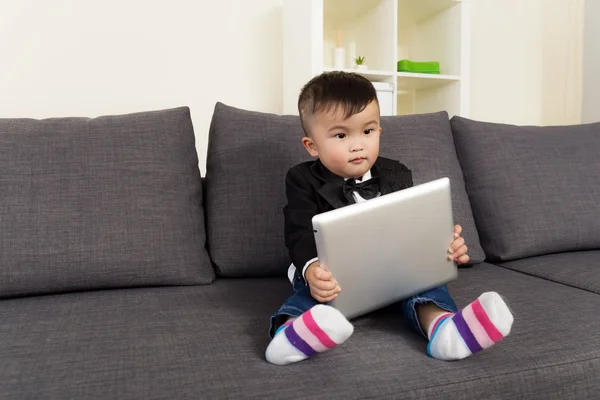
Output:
(302, 301)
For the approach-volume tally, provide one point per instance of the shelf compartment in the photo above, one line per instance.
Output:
(422, 9)
(372, 75)
(415, 81)
(348, 9)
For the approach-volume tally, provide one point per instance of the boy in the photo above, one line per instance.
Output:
(340, 117)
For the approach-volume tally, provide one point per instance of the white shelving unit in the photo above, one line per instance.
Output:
(411, 80)
(372, 75)
(383, 31)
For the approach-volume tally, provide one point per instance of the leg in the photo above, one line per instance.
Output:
(293, 307)
(427, 313)
(454, 336)
(433, 302)
(303, 328)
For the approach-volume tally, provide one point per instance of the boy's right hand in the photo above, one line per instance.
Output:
(323, 287)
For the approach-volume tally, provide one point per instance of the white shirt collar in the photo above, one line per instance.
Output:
(365, 177)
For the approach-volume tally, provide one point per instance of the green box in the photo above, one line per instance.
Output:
(421, 67)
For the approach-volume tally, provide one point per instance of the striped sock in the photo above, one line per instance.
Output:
(476, 327)
(317, 330)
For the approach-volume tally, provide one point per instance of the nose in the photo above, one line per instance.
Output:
(356, 146)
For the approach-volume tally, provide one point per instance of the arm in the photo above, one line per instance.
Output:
(301, 207)
(300, 239)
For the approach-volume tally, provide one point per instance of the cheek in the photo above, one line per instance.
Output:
(341, 155)
(374, 147)
(335, 152)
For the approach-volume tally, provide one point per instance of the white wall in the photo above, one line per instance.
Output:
(506, 47)
(591, 62)
(526, 61)
(562, 62)
(89, 58)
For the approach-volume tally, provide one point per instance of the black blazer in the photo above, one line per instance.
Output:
(312, 189)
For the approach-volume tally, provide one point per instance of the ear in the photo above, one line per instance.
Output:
(310, 146)
(380, 131)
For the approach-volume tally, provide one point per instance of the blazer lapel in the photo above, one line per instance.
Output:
(391, 177)
(331, 189)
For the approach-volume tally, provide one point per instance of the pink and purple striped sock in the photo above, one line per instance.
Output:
(317, 330)
(476, 327)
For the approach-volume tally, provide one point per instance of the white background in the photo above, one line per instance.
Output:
(89, 58)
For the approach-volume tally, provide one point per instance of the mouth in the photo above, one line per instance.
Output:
(358, 160)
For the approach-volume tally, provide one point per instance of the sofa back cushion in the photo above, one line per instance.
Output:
(534, 190)
(114, 201)
(249, 154)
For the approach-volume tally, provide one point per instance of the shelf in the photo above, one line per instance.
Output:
(414, 81)
(372, 75)
(382, 31)
(347, 10)
(422, 9)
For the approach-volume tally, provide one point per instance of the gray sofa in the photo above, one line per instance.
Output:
(124, 275)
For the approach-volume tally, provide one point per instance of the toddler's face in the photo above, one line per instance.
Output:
(347, 147)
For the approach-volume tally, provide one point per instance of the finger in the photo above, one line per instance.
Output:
(323, 275)
(457, 230)
(317, 297)
(463, 259)
(324, 291)
(326, 299)
(461, 251)
(324, 294)
(325, 285)
(337, 289)
(337, 286)
(456, 245)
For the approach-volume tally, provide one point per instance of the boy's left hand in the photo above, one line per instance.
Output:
(458, 248)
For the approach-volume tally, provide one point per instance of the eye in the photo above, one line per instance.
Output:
(367, 131)
(340, 135)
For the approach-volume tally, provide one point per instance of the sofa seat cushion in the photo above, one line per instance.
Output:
(209, 342)
(534, 190)
(249, 154)
(95, 203)
(579, 269)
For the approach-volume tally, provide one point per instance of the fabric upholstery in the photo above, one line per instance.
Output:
(209, 342)
(423, 142)
(580, 269)
(113, 201)
(249, 154)
(534, 190)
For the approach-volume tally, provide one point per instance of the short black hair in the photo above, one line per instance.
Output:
(332, 91)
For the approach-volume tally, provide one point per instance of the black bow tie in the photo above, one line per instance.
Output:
(367, 190)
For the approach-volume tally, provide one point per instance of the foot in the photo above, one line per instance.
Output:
(476, 327)
(317, 330)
